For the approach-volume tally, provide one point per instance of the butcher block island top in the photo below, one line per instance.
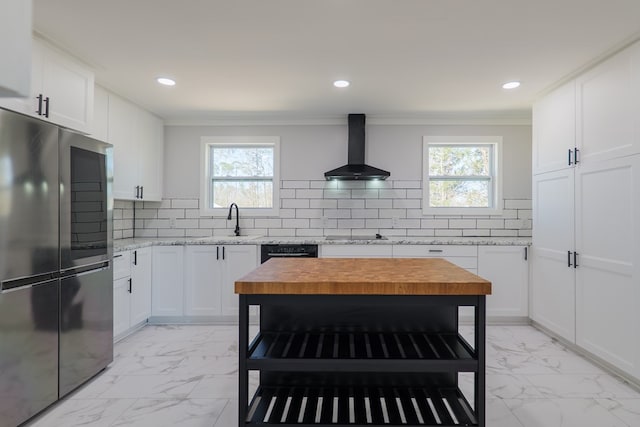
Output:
(361, 276)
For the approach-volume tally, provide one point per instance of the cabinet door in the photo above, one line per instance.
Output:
(122, 125)
(608, 108)
(554, 129)
(239, 260)
(69, 86)
(508, 270)
(100, 123)
(15, 43)
(167, 296)
(121, 306)
(29, 105)
(151, 155)
(553, 281)
(356, 251)
(203, 279)
(608, 272)
(141, 285)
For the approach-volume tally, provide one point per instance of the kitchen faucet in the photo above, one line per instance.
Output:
(237, 230)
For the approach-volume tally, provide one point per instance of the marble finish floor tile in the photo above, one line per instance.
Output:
(187, 375)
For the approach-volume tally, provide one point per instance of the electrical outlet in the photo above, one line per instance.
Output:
(172, 223)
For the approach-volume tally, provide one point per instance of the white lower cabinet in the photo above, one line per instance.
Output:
(167, 296)
(210, 273)
(356, 251)
(465, 256)
(131, 289)
(507, 267)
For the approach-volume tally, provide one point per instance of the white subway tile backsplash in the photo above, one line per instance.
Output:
(152, 232)
(287, 193)
(337, 213)
(351, 223)
(309, 194)
(170, 213)
(295, 184)
(315, 208)
(186, 223)
(393, 194)
(267, 223)
(295, 203)
(308, 213)
(379, 203)
(392, 213)
(323, 203)
(364, 213)
(406, 203)
(171, 232)
(350, 203)
(184, 203)
(281, 232)
(337, 194)
(369, 193)
(295, 223)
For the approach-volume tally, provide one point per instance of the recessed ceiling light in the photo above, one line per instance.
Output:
(341, 83)
(511, 85)
(166, 81)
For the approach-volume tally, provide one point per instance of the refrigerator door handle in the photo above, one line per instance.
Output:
(26, 283)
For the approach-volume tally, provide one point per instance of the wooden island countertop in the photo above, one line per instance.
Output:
(361, 276)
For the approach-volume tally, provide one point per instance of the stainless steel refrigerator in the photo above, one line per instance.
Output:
(56, 290)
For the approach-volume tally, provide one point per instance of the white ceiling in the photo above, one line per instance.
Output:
(278, 58)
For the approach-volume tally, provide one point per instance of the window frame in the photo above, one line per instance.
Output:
(206, 143)
(495, 179)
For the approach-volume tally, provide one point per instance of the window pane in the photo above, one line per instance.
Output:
(246, 194)
(242, 161)
(461, 160)
(458, 194)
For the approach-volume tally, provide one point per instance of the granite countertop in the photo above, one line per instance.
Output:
(130, 244)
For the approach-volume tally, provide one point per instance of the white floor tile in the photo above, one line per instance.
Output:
(562, 413)
(601, 386)
(172, 412)
(84, 412)
(628, 410)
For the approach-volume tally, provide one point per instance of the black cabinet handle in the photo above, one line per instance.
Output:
(217, 252)
(569, 151)
(223, 252)
(568, 258)
(135, 257)
(575, 156)
(129, 285)
(575, 260)
(526, 253)
(142, 191)
(46, 107)
(435, 250)
(117, 256)
(137, 191)
(39, 110)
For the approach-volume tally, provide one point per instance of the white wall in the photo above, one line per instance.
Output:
(309, 151)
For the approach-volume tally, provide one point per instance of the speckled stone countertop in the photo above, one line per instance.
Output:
(130, 244)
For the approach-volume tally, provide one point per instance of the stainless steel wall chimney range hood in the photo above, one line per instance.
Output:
(355, 169)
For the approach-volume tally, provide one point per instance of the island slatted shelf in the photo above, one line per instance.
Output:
(348, 342)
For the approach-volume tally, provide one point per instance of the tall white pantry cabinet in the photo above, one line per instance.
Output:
(586, 211)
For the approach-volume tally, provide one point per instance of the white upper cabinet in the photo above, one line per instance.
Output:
(15, 43)
(608, 108)
(554, 130)
(138, 140)
(61, 90)
(100, 124)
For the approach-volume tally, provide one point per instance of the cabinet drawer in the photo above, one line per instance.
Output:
(439, 251)
(121, 265)
(356, 251)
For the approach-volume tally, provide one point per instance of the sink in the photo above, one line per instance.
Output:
(376, 237)
(231, 237)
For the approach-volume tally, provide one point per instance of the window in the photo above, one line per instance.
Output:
(461, 175)
(241, 170)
